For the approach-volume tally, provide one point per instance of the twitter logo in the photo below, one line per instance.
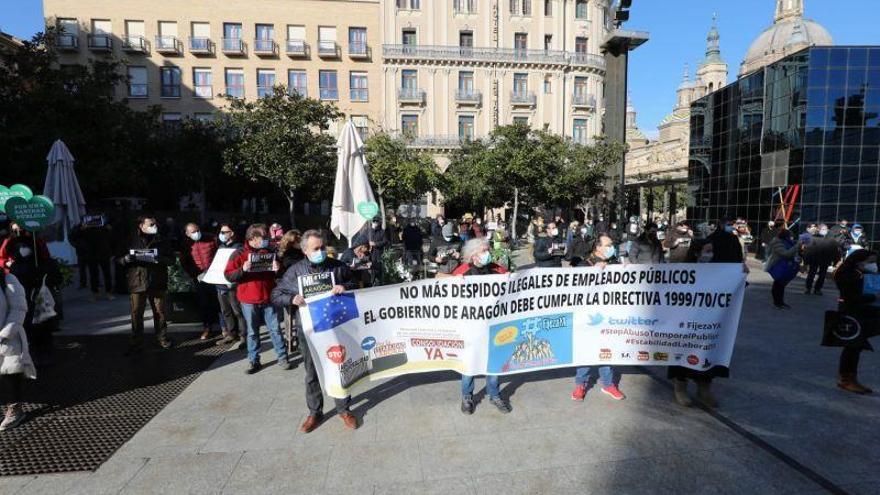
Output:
(596, 319)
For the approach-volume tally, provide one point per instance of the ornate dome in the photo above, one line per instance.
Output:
(789, 33)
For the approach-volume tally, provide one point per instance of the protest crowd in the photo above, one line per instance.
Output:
(263, 266)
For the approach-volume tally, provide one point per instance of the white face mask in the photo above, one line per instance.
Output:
(554, 232)
(196, 236)
(26, 251)
(151, 230)
(823, 232)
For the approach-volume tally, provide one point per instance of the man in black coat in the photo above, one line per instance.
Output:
(767, 235)
(550, 248)
(726, 247)
(412, 243)
(287, 293)
(821, 253)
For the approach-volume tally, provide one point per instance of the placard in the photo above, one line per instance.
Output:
(93, 221)
(144, 255)
(216, 273)
(316, 284)
(262, 262)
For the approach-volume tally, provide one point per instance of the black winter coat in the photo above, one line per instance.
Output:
(143, 277)
(726, 247)
(822, 251)
(543, 258)
(854, 302)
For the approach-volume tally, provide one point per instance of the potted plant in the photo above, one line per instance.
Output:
(183, 304)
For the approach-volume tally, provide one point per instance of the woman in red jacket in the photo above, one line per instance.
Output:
(256, 279)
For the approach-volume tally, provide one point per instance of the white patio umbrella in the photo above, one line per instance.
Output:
(352, 195)
(63, 189)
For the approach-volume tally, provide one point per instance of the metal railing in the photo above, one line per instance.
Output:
(491, 54)
(170, 91)
(328, 48)
(360, 94)
(200, 44)
(583, 100)
(100, 42)
(468, 96)
(358, 49)
(411, 95)
(297, 47)
(450, 141)
(167, 44)
(523, 98)
(134, 44)
(263, 46)
(67, 41)
(233, 45)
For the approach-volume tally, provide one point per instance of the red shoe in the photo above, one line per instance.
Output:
(613, 392)
(579, 393)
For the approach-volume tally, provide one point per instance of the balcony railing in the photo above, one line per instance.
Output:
(297, 48)
(468, 97)
(100, 42)
(491, 54)
(411, 95)
(358, 50)
(451, 141)
(170, 91)
(523, 98)
(360, 94)
(201, 45)
(134, 44)
(328, 49)
(265, 47)
(583, 100)
(137, 90)
(233, 46)
(203, 91)
(67, 42)
(168, 44)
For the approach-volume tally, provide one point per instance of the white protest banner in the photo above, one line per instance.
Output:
(216, 272)
(677, 314)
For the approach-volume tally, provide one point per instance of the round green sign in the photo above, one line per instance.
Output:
(32, 214)
(16, 190)
(368, 209)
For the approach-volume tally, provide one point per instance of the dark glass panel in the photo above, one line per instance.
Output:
(812, 155)
(817, 78)
(849, 175)
(848, 195)
(838, 57)
(831, 155)
(819, 57)
(858, 57)
(837, 78)
(870, 153)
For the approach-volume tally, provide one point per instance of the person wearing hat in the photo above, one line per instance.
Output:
(446, 251)
(678, 242)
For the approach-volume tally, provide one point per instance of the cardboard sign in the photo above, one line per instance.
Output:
(262, 262)
(492, 226)
(361, 263)
(557, 249)
(316, 284)
(216, 273)
(93, 221)
(145, 255)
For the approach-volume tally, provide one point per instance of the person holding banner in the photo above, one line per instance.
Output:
(854, 302)
(230, 307)
(146, 266)
(253, 270)
(478, 261)
(602, 254)
(445, 251)
(288, 292)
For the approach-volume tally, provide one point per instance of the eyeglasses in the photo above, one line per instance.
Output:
(225, 231)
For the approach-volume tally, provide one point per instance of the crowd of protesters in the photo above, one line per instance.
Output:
(265, 262)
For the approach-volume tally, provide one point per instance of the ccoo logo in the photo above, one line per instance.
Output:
(336, 354)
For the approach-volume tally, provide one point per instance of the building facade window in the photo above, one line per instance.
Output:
(409, 125)
(409, 4)
(200, 39)
(408, 37)
(580, 86)
(520, 41)
(409, 79)
(527, 7)
(520, 84)
(232, 36)
(548, 85)
(520, 120)
(172, 121)
(204, 116)
(265, 38)
(170, 77)
(137, 82)
(327, 85)
(359, 87)
(548, 42)
(265, 82)
(235, 83)
(464, 6)
(466, 39)
(362, 124)
(581, 9)
(580, 45)
(327, 39)
(579, 131)
(102, 32)
(548, 8)
(134, 35)
(357, 40)
(466, 127)
(167, 39)
(202, 87)
(466, 83)
(297, 82)
(69, 33)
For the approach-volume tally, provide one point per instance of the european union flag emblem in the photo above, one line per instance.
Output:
(330, 312)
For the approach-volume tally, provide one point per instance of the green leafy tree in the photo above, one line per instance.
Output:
(583, 173)
(399, 173)
(282, 139)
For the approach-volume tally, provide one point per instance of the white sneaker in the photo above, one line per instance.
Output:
(14, 417)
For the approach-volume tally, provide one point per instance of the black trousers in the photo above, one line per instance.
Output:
(314, 394)
(208, 307)
(83, 273)
(13, 388)
(817, 272)
(849, 360)
(778, 291)
(104, 266)
(232, 315)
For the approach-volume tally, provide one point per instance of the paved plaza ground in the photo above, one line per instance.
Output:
(782, 427)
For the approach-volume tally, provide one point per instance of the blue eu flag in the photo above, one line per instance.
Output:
(332, 311)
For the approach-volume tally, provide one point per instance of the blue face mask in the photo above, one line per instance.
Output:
(485, 258)
(609, 252)
(728, 228)
(264, 244)
(224, 238)
(318, 257)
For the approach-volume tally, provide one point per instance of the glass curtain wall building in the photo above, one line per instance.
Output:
(797, 141)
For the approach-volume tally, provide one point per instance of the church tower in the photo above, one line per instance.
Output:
(789, 9)
(712, 72)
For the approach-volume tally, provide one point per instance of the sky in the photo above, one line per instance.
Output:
(678, 31)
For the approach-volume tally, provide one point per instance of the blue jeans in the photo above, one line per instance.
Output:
(467, 386)
(605, 376)
(257, 315)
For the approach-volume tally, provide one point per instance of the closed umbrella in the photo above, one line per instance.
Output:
(63, 189)
(353, 200)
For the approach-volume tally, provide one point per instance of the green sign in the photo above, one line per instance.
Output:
(17, 190)
(31, 214)
(368, 209)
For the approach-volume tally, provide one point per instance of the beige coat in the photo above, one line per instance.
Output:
(14, 355)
